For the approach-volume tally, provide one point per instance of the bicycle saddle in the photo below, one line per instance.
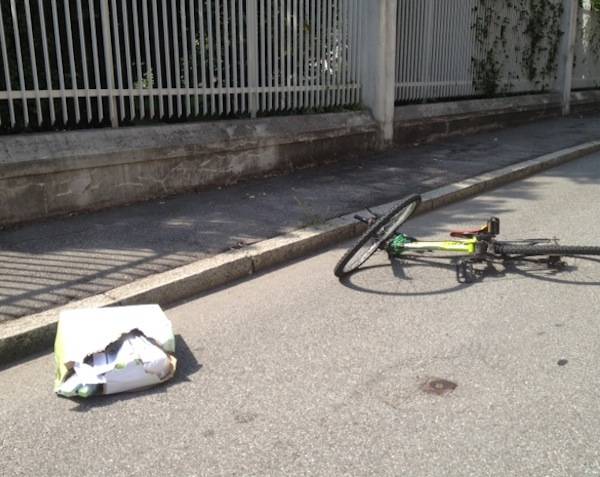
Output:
(491, 228)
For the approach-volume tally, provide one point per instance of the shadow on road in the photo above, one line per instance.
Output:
(577, 271)
(187, 365)
(401, 270)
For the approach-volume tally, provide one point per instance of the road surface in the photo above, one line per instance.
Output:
(293, 373)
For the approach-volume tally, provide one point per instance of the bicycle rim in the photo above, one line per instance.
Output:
(375, 236)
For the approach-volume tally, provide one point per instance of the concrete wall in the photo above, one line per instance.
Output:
(585, 102)
(430, 122)
(43, 175)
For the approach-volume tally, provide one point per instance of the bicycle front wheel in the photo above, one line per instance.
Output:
(376, 235)
(515, 250)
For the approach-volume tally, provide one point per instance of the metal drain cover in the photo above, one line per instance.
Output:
(438, 386)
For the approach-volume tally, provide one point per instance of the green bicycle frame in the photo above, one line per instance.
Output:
(402, 244)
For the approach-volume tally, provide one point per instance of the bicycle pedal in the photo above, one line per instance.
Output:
(555, 262)
(465, 272)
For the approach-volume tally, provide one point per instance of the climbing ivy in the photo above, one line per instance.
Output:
(516, 39)
(588, 33)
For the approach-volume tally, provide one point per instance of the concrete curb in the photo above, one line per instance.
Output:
(34, 333)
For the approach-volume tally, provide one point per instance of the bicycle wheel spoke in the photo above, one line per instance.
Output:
(376, 236)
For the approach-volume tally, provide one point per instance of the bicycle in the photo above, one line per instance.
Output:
(471, 246)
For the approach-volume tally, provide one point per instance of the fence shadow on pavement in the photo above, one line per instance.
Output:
(187, 365)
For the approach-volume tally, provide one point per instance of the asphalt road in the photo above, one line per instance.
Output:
(293, 373)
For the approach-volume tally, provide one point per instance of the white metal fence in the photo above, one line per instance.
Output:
(461, 48)
(586, 71)
(435, 44)
(86, 63)
(70, 63)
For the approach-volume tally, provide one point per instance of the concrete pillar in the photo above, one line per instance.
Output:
(566, 53)
(378, 63)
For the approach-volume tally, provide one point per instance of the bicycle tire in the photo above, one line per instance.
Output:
(538, 250)
(396, 217)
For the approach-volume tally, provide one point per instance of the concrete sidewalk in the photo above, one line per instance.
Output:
(45, 265)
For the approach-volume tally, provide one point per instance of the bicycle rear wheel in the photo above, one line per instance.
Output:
(515, 250)
(375, 235)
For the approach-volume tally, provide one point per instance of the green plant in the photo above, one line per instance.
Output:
(515, 39)
(588, 32)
